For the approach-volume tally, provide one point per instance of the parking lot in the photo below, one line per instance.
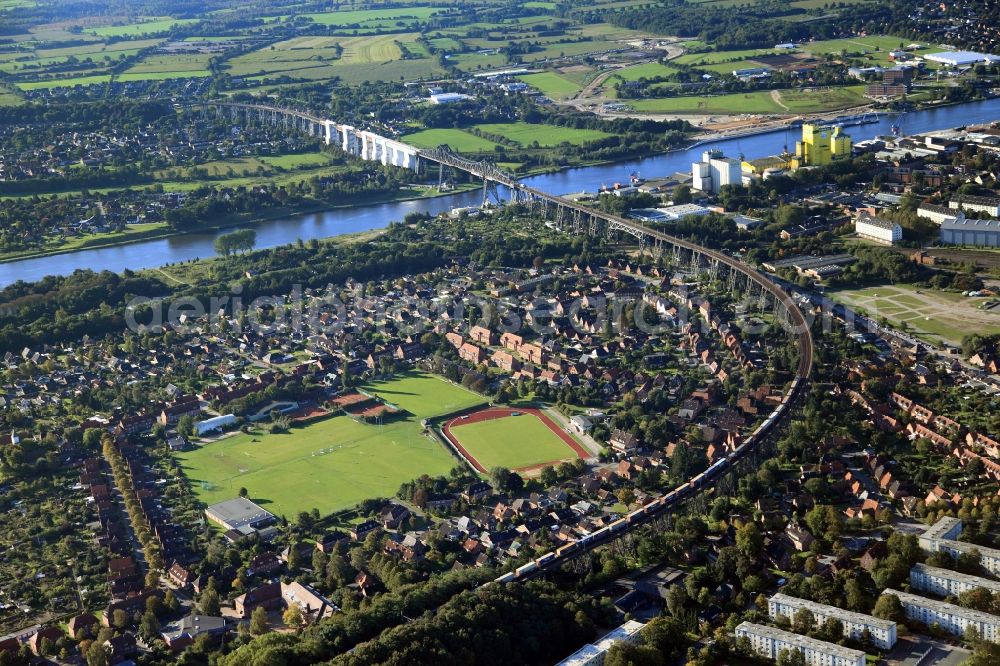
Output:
(921, 651)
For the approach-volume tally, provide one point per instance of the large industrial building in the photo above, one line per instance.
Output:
(883, 632)
(945, 582)
(956, 620)
(770, 641)
(820, 145)
(965, 231)
(715, 170)
(961, 58)
(940, 538)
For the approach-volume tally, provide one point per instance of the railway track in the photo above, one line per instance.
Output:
(799, 329)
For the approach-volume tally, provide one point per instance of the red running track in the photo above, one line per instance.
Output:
(493, 413)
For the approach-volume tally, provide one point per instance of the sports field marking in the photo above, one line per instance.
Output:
(519, 439)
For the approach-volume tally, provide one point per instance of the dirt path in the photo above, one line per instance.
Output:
(598, 81)
(670, 52)
(776, 96)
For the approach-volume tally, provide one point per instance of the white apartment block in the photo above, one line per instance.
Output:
(878, 229)
(593, 654)
(769, 642)
(951, 618)
(937, 214)
(883, 632)
(940, 538)
(945, 582)
(945, 528)
(988, 205)
(715, 170)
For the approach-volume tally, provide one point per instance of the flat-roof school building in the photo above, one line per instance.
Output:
(239, 514)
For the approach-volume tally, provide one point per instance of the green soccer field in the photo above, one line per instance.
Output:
(425, 396)
(513, 442)
(334, 463)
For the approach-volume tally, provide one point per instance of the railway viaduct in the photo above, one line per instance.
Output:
(574, 218)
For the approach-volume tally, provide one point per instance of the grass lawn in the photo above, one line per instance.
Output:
(713, 57)
(730, 67)
(813, 100)
(366, 50)
(352, 59)
(647, 70)
(135, 29)
(551, 84)
(296, 161)
(546, 135)
(373, 18)
(817, 100)
(424, 395)
(867, 45)
(938, 315)
(512, 441)
(456, 139)
(815, 4)
(333, 463)
(9, 97)
(159, 67)
(754, 102)
(328, 465)
(64, 83)
(133, 232)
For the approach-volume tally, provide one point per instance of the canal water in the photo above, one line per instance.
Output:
(271, 233)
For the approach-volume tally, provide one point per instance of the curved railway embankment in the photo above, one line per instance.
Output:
(797, 327)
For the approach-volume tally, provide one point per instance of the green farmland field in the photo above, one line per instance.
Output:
(525, 134)
(59, 83)
(714, 57)
(815, 100)
(456, 139)
(333, 463)
(9, 97)
(297, 160)
(646, 70)
(352, 59)
(546, 135)
(145, 28)
(551, 84)
(374, 18)
(514, 442)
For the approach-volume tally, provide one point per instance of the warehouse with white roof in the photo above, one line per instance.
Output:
(961, 58)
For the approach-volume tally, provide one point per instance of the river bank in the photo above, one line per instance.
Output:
(129, 236)
(330, 223)
(121, 239)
